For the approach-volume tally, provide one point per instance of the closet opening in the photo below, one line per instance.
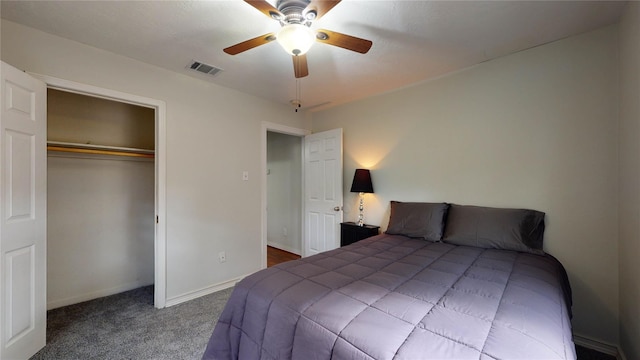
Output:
(101, 197)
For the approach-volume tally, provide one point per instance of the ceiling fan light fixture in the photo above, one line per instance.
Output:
(296, 39)
(311, 15)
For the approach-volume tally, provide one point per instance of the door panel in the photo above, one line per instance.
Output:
(331, 225)
(20, 272)
(330, 168)
(22, 214)
(313, 232)
(19, 178)
(323, 191)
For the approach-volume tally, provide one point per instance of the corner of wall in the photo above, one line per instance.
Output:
(629, 180)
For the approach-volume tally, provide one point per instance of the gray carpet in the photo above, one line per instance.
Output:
(127, 326)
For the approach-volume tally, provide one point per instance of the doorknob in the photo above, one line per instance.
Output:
(337, 208)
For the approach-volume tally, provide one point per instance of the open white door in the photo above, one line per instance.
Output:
(23, 186)
(322, 191)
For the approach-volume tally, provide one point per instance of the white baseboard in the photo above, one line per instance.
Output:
(284, 247)
(53, 304)
(605, 348)
(202, 292)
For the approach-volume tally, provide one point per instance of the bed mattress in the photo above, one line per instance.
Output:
(394, 297)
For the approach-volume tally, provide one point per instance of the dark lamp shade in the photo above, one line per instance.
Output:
(362, 181)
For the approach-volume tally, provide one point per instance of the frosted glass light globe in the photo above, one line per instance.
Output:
(296, 39)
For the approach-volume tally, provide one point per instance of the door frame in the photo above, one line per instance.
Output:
(282, 129)
(160, 267)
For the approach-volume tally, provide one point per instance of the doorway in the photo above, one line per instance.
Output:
(284, 192)
(100, 197)
(321, 188)
(282, 189)
(158, 212)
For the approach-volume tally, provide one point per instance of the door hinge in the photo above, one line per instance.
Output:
(157, 219)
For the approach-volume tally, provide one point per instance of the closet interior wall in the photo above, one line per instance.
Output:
(100, 206)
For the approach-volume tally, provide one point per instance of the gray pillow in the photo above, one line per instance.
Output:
(495, 228)
(417, 220)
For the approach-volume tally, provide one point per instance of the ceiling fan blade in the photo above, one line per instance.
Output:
(300, 66)
(250, 44)
(265, 8)
(344, 41)
(321, 7)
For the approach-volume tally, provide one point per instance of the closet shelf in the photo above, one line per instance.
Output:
(99, 149)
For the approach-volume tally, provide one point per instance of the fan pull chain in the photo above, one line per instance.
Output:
(298, 95)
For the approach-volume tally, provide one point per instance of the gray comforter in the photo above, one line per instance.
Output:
(392, 297)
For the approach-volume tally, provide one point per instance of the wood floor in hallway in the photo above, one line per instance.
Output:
(276, 256)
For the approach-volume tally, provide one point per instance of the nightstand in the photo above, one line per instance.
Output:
(350, 232)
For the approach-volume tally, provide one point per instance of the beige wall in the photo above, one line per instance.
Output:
(213, 135)
(630, 181)
(536, 129)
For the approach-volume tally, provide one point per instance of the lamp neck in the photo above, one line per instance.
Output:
(361, 208)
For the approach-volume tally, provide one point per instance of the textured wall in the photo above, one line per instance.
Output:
(536, 129)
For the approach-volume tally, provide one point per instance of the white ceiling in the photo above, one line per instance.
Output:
(412, 40)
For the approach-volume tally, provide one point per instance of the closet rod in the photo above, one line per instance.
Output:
(98, 149)
(99, 152)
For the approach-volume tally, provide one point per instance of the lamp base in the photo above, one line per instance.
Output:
(361, 207)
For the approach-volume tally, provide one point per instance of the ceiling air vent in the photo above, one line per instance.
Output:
(203, 68)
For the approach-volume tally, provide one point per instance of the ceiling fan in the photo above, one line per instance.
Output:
(296, 36)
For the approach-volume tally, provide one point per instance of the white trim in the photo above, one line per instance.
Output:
(85, 89)
(160, 295)
(283, 129)
(600, 346)
(160, 280)
(204, 291)
(95, 294)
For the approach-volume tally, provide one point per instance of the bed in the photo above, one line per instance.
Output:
(444, 281)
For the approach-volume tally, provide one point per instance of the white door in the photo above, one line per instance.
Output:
(23, 176)
(323, 191)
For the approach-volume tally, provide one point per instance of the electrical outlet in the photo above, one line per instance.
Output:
(245, 175)
(284, 231)
(222, 256)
